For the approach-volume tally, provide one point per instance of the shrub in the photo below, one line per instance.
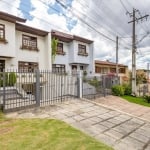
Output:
(147, 98)
(84, 73)
(12, 79)
(94, 82)
(127, 89)
(118, 90)
(2, 79)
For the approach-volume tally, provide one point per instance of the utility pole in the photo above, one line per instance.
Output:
(148, 77)
(147, 72)
(117, 71)
(134, 19)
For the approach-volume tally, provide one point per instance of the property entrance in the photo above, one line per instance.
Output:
(39, 88)
(2, 65)
(98, 86)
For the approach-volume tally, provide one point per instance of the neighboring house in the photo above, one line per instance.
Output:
(23, 47)
(74, 53)
(109, 68)
(145, 72)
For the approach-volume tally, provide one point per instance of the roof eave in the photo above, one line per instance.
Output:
(31, 30)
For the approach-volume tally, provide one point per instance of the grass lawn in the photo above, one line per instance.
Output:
(137, 100)
(44, 134)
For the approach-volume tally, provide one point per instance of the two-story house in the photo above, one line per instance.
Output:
(26, 48)
(74, 53)
(23, 47)
(109, 68)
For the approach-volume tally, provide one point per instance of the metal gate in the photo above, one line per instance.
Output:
(99, 86)
(21, 90)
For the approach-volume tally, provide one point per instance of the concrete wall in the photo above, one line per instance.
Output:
(42, 56)
(8, 49)
(71, 56)
(12, 52)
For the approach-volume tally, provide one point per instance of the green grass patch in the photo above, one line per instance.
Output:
(137, 100)
(44, 134)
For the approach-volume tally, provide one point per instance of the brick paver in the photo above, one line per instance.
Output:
(119, 130)
(125, 106)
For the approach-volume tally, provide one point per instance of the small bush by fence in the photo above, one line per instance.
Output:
(9, 79)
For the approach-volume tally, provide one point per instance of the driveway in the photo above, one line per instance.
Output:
(118, 103)
(115, 128)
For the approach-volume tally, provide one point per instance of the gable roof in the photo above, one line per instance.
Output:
(81, 39)
(62, 36)
(31, 30)
(108, 63)
(68, 37)
(10, 18)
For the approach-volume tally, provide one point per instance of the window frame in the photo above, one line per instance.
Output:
(3, 31)
(30, 40)
(122, 70)
(82, 50)
(3, 39)
(24, 66)
(60, 49)
(58, 68)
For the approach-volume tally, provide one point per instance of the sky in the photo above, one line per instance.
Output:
(97, 20)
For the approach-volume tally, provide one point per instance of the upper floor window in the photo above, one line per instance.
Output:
(60, 50)
(2, 32)
(97, 69)
(122, 70)
(29, 42)
(82, 50)
(113, 70)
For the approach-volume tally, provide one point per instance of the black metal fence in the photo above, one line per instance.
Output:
(20, 90)
(99, 86)
(143, 89)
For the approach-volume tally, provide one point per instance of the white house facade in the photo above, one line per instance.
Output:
(23, 47)
(74, 53)
(26, 48)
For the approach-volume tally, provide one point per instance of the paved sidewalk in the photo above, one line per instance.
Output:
(115, 102)
(119, 130)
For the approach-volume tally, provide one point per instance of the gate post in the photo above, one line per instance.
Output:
(79, 85)
(37, 88)
(104, 85)
(4, 89)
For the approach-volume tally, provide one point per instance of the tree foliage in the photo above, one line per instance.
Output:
(140, 78)
(54, 44)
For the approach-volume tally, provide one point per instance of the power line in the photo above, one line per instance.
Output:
(82, 20)
(40, 19)
(124, 6)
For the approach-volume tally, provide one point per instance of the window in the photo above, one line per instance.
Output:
(97, 69)
(81, 68)
(2, 65)
(113, 70)
(60, 49)
(58, 68)
(122, 70)
(82, 50)
(27, 66)
(2, 32)
(29, 42)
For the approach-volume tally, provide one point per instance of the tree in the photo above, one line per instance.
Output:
(140, 78)
(54, 44)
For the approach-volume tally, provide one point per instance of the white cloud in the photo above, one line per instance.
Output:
(11, 7)
(107, 17)
(44, 20)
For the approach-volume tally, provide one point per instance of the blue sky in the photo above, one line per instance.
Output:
(107, 17)
(26, 6)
